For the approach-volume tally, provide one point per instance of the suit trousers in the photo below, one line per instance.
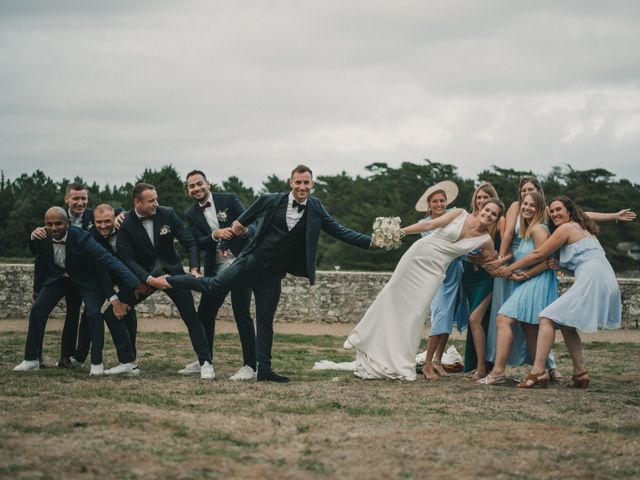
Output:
(84, 335)
(125, 341)
(241, 305)
(73, 300)
(48, 298)
(245, 272)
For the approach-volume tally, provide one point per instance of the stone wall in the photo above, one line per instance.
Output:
(337, 297)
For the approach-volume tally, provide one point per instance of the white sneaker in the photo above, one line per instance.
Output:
(76, 364)
(192, 368)
(27, 365)
(127, 369)
(206, 371)
(245, 373)
(96, 370)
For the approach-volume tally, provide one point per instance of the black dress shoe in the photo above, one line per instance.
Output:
(271, 376)
(64, 362)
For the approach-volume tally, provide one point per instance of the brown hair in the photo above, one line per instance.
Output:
(576, 214)
(301, 169)
(486, 188)
(136, 193)
(75, 186)
(534, 181)
(104, 207)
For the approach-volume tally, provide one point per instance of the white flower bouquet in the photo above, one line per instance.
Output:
(386, 233)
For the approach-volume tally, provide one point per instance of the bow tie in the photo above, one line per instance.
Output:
(202, 208)
(300, 206)
(150, 217)
(60, 242)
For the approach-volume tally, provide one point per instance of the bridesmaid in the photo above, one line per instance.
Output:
(477, 285)
(538, 289)
(592, 302)
(503, 288)
(447, 306)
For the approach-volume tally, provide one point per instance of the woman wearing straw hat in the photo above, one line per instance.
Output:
(448, 306)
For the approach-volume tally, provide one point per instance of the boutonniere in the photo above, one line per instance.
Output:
(222, 215)
(165, 229)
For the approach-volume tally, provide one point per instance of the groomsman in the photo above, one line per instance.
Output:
(69, 256)
(145, 245)
(77, 199)
(288, 227)
(209, 220)
(104, 232)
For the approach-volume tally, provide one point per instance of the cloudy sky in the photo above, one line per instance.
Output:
(103, 89)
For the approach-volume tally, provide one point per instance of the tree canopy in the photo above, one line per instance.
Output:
(353, 201)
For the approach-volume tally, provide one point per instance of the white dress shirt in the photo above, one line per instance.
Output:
(75, 221)
(293, 215)
(60, 253)
(210, 214)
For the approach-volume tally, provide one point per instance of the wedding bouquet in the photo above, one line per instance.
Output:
(386, 233)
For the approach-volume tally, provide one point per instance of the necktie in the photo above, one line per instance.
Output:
(300, 206)
(202, 208)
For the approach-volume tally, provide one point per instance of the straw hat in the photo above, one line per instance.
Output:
(449, 188)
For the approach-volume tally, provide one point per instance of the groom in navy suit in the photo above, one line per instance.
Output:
(288, 227)
(210, 218)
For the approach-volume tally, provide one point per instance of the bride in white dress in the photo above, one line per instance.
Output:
(388, 336)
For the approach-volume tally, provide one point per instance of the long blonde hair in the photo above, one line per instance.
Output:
(486, 188)
(538, 218)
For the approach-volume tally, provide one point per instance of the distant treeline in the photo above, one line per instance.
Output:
(353, 201)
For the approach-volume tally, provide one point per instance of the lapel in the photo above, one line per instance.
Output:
(271, 212)
(198, 216)
(157, 223)
(141, 230)
(220, 205)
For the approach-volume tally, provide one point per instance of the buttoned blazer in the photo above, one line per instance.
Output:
(261, 214)
(141, 256)
(228, 208)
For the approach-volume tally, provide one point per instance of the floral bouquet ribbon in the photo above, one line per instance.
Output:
(386, 233)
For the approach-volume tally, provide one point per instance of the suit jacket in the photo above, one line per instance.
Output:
(86, 262)
(113, 279)
(263, 209)
(228, 208)
(142, 257)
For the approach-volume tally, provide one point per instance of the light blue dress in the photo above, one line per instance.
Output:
(593, 301)
(529, 298)
(448, 306)
(502, 291)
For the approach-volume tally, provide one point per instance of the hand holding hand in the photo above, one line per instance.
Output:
(506, 272)
(518, 277)
(195, 272)
(222, 233)
(39, 233)
(552, 264)
(159, 283)
(238, 229)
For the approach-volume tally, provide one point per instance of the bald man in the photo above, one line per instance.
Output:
(69, 257)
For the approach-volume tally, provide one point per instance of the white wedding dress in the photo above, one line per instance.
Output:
(388, 336)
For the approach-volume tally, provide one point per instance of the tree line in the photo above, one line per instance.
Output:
(353, 201)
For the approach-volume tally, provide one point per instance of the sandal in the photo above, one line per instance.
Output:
(579, 380)
(555, 375)
(492, 380)
(534, 379)
(475, 376)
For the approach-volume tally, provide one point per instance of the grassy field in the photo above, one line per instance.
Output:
(63, 424)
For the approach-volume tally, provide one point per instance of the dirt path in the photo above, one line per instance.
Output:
(338, 330)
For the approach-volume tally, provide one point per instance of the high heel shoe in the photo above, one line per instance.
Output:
(578, 380)
(555, 375)
(535, 379)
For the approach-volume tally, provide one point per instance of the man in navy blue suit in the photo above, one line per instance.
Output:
(70, 257)
(77, 200)
(124, 316)
(145, 244)
(287, 226)
(210, 218)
